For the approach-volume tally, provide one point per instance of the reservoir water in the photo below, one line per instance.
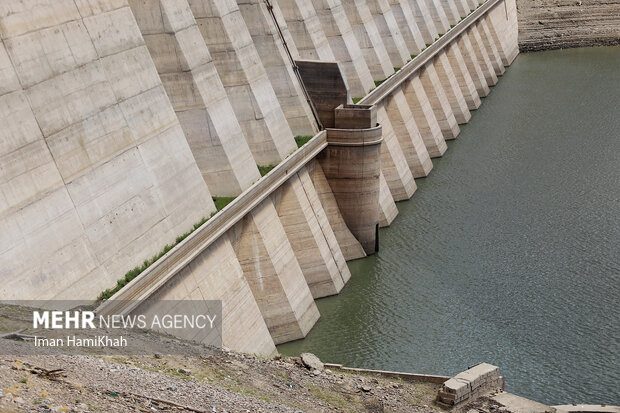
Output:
(509, 252)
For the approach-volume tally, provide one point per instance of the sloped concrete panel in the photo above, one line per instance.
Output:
(97, 175)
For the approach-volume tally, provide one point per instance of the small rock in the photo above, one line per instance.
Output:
(172, 388)
(311, 361)
(1, 393)
(540, 22)
(19, 400)
(157, 355)
(185, 371)
(277, 357)
(366, 388)
(328, 371)
(374, 405)
(316, 372)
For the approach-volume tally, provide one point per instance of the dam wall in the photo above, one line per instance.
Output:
(559, 24)
(130, 124)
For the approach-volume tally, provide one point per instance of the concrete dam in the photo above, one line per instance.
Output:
(220, 150)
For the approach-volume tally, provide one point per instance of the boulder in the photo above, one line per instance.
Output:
(311, 361)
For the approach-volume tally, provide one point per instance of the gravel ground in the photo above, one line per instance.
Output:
(225, 382)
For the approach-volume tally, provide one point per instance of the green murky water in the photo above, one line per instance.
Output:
(509, 252)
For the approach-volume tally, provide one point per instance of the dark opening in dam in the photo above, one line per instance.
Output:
(508, 253)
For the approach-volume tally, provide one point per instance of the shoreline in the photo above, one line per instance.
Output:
(562, 24)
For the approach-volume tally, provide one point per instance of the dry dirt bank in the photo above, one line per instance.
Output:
(205, 381)
(555, 24)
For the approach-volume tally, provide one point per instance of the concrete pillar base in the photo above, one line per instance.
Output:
(425, 118)
(408, 135)
(439, 102)
(315, 246)
(463, 78)
(467, 51)
(273, 273)
(452, 89)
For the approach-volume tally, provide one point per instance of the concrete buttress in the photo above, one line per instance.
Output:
(310, 235)
(439, 102)
(349, 245)
(405, 19)
(393, 163)
(438, 15)
(217, 275)
(452, 88)
(481, 54)
(463, 77)
(425, 117)
(273, 273)
(197, 94)
(387, 207)
(305, 28)
(408, 134)
(491, 48)
(471, 61)
(451, 11)
(504, 29)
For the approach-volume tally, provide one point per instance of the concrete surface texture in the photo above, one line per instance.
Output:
(96, 173)
(197, 94)
(122, 118)
(369, 38)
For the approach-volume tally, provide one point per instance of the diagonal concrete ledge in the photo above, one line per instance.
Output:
(397, 79)
(149, 281)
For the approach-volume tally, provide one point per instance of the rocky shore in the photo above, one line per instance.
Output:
(558, 24)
